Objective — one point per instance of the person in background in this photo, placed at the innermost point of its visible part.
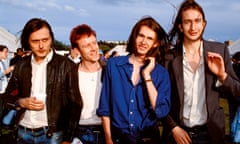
(84, 38)
(236, 63)
(136, 88)
(200, 73)
(104, 58)
(114, 53)
(74, 55)
(4, 71)
(47, 91)
(18, 56)
(234, 102)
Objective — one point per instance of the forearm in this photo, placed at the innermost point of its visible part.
(152, 93)
(107, 128)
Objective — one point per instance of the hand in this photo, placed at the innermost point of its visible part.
(108, 141)
(216, 65)
(148, 69)
(31, 103)
(8, 70)
(181, 136)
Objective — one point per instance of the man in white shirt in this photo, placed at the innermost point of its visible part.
(43, 88)
(90, 70)
(200, 72)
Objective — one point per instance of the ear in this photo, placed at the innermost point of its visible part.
(156, 44)
(204, 24)
(180, 27)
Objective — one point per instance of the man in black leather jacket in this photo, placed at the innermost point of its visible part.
(44, 86)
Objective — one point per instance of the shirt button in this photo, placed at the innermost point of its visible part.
(132, 100)
(131, 113)
(131, 125)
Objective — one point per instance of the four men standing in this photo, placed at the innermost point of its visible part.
(58, 100)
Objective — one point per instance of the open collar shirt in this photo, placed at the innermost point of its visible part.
(128, 105)
(194, 109)
(36, 119)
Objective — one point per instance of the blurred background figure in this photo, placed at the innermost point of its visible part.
(114, 53)
(236, 63)
(18, 56)
(4, 71)
(74, 55)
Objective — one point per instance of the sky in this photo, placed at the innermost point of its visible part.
(113, 19)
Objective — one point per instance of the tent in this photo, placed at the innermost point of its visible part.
(120, 49)
(8, 39)
(235, 47)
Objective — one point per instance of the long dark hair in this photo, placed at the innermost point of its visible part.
(31, 26)
(161, 38)
(175, 35)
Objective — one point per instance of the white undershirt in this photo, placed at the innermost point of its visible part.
(36, 119)
(194, 109)
(90, 88)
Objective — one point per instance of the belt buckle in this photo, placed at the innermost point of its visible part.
(191, 133)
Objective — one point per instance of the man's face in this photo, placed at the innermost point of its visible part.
(4, 53)
(145, 41)
(88, 48)
(192, 25)
(40, 43)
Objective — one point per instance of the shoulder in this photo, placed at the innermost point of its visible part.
(118, 60)
(159, 69)
(213, 44)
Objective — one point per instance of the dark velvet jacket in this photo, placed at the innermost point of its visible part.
(231, 86)
(63, 101)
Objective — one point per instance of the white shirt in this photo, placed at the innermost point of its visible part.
(3, 78)
(75, 60)
(194, 109)
(90, 88)
(36, 119)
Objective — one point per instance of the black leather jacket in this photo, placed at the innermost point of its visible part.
(63, 101)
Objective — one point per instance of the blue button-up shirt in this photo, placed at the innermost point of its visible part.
(128, 105)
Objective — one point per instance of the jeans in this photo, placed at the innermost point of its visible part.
(90, 134)
(26, 136)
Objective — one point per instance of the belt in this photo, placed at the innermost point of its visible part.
(93, 128)
(34, 130)
(196, 129)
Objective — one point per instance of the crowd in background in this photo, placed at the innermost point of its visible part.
(93, 97)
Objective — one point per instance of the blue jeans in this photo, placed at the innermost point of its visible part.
(90, 134)
(26, 136)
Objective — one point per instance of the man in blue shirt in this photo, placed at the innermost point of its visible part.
(136, 89)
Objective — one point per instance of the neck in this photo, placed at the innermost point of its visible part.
(139, 60)
(88, 66)
(192, 47)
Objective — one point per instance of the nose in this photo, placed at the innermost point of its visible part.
(193, 26)
(40, 44)
(144, 39)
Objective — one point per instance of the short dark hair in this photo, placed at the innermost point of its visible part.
(31, 26)
(2, 47)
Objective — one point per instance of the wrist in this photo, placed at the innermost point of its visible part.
(147, 80)
(223, 77)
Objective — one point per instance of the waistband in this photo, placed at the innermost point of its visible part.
(196, 128)
(34, 130)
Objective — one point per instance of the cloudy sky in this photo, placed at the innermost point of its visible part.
(114, 19)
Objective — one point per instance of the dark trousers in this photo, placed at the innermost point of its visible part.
(90, 134)
(151, 136)
(198, 135)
